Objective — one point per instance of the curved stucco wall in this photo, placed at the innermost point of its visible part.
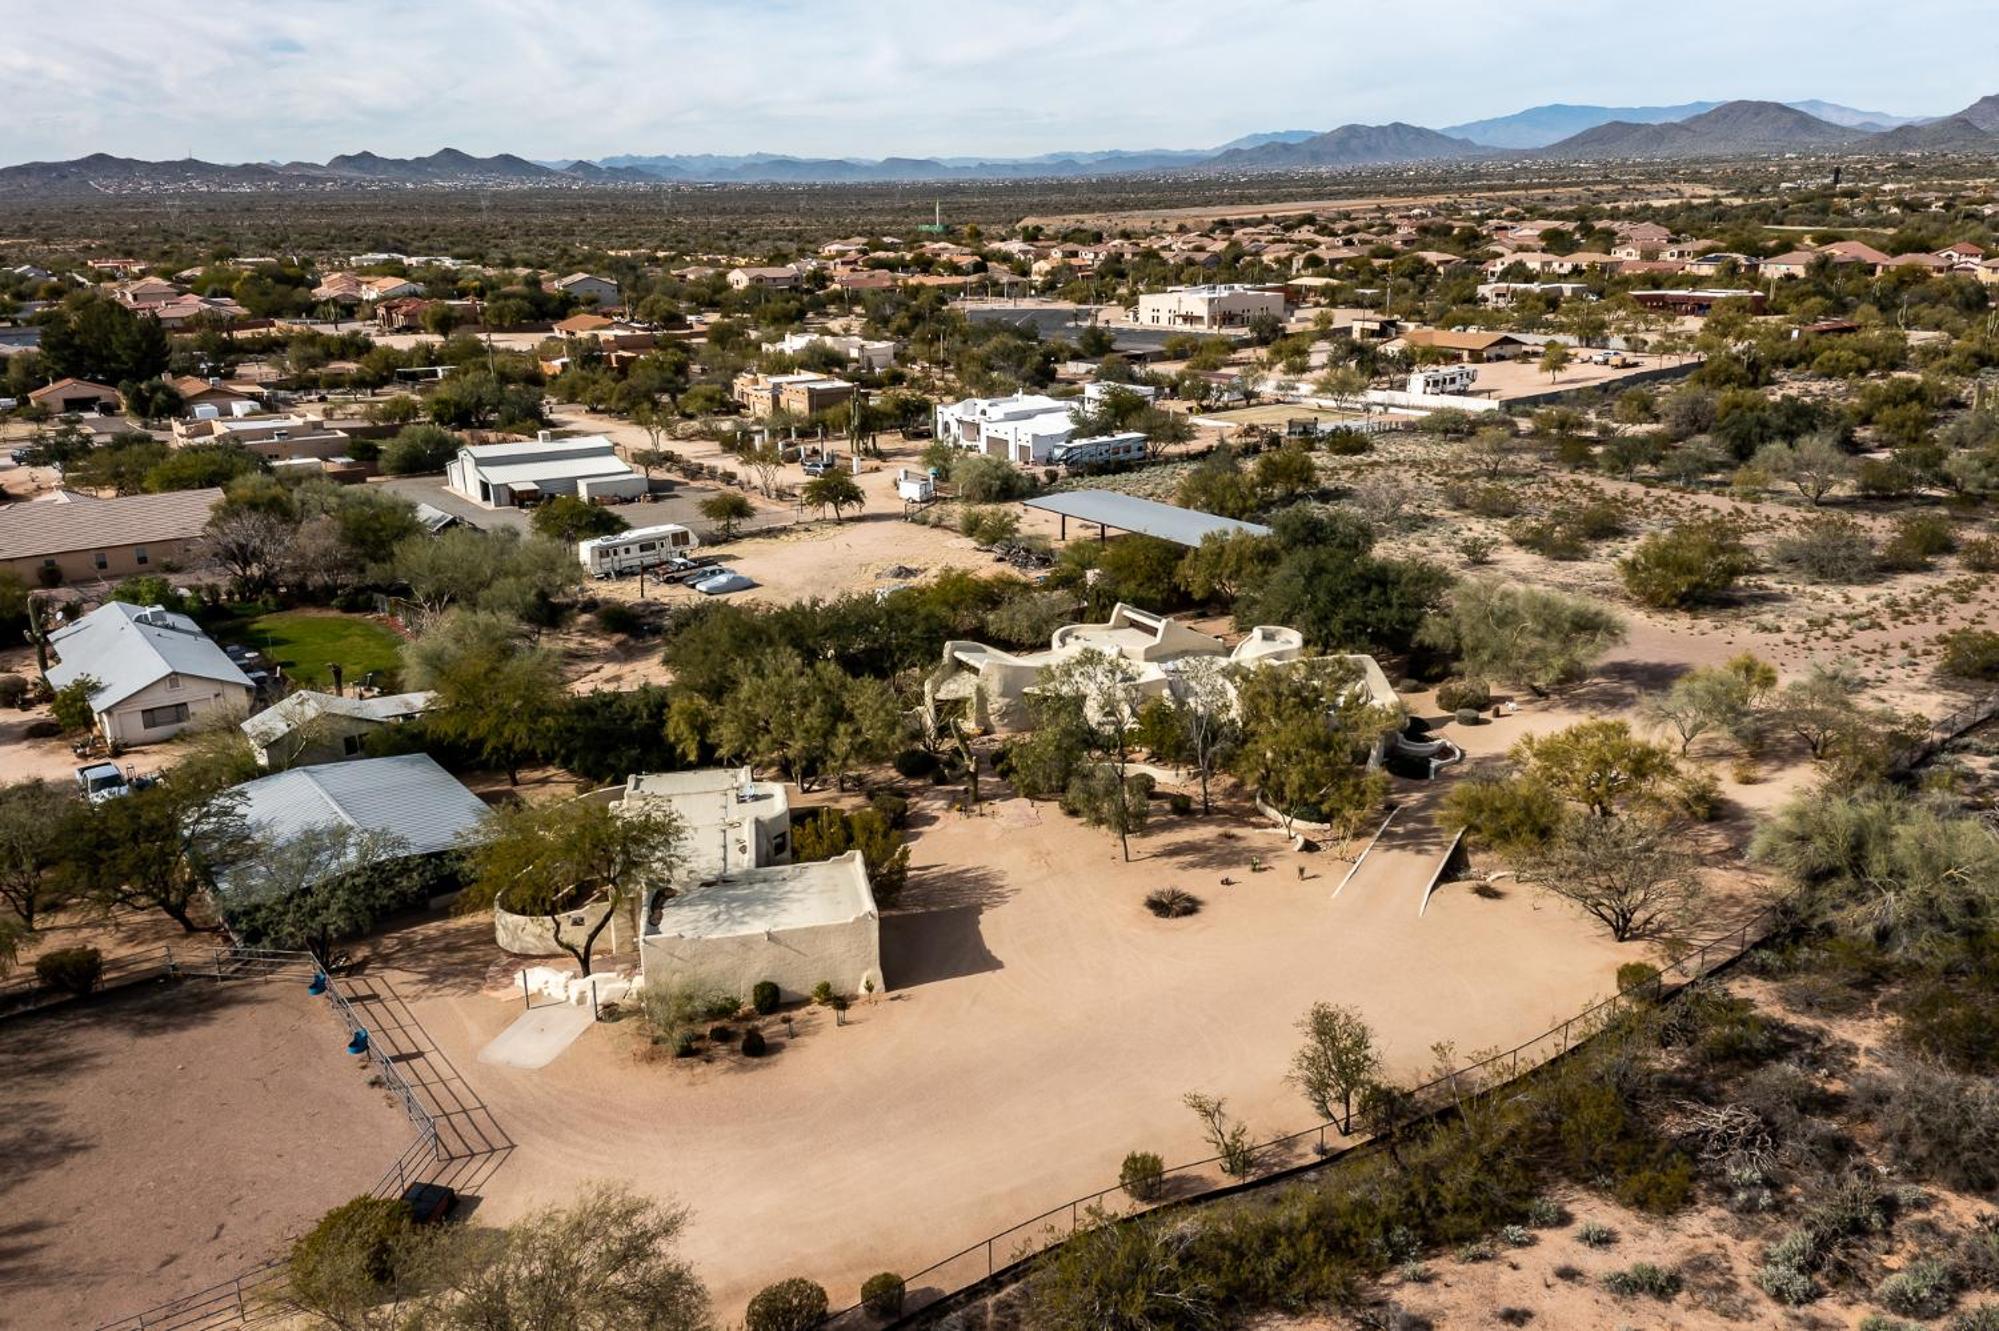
(534, 935)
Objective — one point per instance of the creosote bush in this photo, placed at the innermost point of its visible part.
(1143, 1175)
(796, 1304)
(70, 970)
(882, 1295)
(1643, 1278)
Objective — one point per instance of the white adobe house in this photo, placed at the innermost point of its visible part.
(1022, 428)
(1208, 307)
(156, 672)
(513, 475)
(740, 911)
(994, 683)
(864, 355)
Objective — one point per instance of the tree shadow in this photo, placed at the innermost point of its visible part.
(442, 953)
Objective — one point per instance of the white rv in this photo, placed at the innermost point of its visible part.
(1444, 379)
(1098, 450)
(642, 547)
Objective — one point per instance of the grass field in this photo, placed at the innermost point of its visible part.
(307, 644)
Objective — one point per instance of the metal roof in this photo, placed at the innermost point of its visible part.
(408, 796)
(307, 705)
(126, 647)
(69, 521)
(1168, 522)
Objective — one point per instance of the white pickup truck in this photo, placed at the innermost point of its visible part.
(102, 781)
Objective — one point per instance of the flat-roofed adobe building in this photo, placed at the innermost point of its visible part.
(71, 537)
(1208, 307)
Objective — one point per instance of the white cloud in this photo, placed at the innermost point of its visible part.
(250, 79)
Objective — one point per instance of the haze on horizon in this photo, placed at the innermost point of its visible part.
(252, 80)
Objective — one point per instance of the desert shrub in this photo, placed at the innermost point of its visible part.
(1828, 549)
(1346, 443)
(1595, 1234)
(1180, 802)
(1787, 1284)
(1661, 1188)
(754, 1044)
(988, 480)
(1482, 500)
(70, 970)
(619, 618)
(1548, 537)
(1954, 1022)
(1479, 1251)
(1925, 1288)
(1544, 1214)
(353, 1251)
(1688, 565)
(1466, 716)
(1172, 903)
(915, 764)
(1642, 1278)
(894, 808)
(1567, 1273)
(1879, 1322)
(1143, 1175)
(14, 690)
(1970, 654)
(1457, 694)
(1936, 1124)
(882, 1295)
(1981, 555)
(1918, 538)
(721, 1034)
(789, 1305)
(1637, 975)
(763, 997)
(1516, 1236)
(822, 993)
(1985, 1317)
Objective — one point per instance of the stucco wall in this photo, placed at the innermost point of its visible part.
(534, 935)
(795, 960)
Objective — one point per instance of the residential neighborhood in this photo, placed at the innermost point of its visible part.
(1389, 726)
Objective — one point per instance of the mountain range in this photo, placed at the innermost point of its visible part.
(1691, 130)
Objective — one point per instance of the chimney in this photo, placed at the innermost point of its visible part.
(337, 672)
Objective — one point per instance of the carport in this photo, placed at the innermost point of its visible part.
(1109, 511)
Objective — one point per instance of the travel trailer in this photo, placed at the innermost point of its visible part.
(628, 551)
(1444, 379)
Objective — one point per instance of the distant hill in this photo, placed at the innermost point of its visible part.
(1275, 136)
(1983, 113)
(1539, 126)
(1951, 134)
(1731, 129)
(1349, 145)
(1835, 114)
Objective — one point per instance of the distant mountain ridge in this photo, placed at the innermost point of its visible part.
(1541, 126)
(1737, 128)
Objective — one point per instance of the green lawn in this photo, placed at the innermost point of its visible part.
(306, 644)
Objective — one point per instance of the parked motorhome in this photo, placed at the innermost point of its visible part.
(1443, 379)
(642, 547)
(1099, 450)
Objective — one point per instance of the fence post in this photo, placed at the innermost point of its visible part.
(989, 1257)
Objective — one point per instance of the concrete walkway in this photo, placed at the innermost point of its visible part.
(537, 1038)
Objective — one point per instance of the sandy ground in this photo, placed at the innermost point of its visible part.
(168, 1137)
(1040, 1024)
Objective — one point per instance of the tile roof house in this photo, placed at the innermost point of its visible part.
(75, 397)
(155, 671)
(70, 537)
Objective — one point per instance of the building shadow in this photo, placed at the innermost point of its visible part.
(922, 947)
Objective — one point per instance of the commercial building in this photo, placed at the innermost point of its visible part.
(1208, 307)
(155, 672)
(70, 537)
(517, 475)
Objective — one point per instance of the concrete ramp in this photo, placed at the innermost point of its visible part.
(537, 1038)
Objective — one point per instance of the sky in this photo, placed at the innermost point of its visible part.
(251, 80)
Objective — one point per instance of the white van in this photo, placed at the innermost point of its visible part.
(628, 551)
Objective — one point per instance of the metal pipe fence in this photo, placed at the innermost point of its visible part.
(1309, 1148)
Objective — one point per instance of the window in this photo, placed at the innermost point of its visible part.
(101, 562)
(350, 745)
(172, 715)
(139, 556)
(173, 683)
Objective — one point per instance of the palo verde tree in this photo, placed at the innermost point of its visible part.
(835, 490)
(1502, 633)
(1336, 1063)
(1100, 685)
(1307, 729)
(312, 889)
(727, 510)
(33, 815)
(160, 848)
(495, 693)
(549, 859)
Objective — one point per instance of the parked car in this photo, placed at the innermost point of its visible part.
(429, 1202)
(820, 466)
(102, 781)
(721, 584)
